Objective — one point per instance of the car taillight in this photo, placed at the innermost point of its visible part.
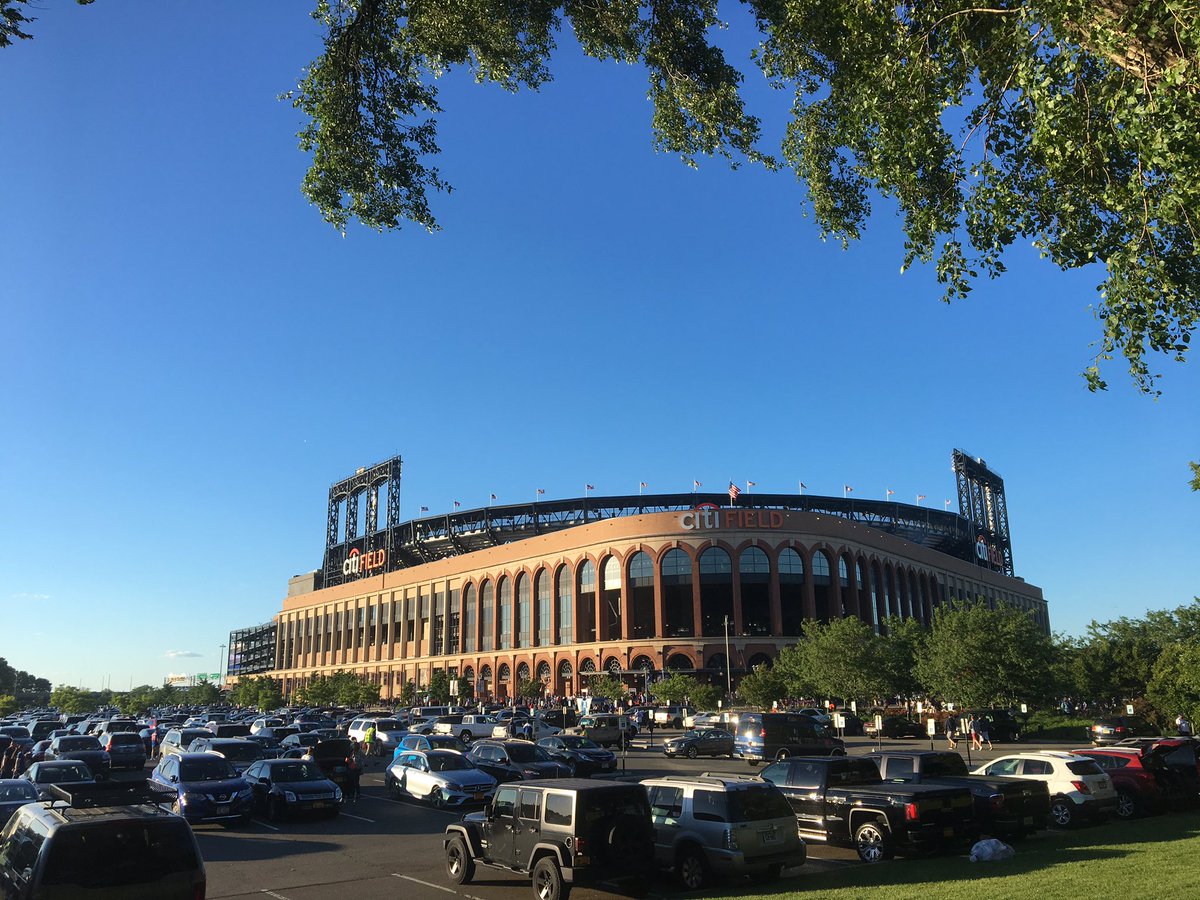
(1119, 729)
(580, 845)
(730, 839)
(762, 733)
(1081, 786)
(911, 813)
(996, 802)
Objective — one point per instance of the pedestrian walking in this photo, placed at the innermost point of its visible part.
(976, 743)
(368, 741)
(1183, 726)
(952, 732)
(985, 732)
(8, 762)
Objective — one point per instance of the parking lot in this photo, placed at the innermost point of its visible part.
(380, 847)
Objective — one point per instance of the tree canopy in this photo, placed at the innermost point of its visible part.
(1066, 124)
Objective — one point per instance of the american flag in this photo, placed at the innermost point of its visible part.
(848, 489)
(541, 490)
(803, 485)
(457, 504)
(750, 484)
(920, 497)
(590, 487)
(494, 497)
(890, 492)
(424, 509)
(734, 490)
(645, 484)
(695, 483)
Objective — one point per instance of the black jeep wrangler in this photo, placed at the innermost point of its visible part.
(560, 832)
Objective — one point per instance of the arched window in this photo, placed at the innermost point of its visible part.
(878, 598)
(487, 613)
(587, 602)
(822, 591)
(470, 620)
(566, 606)
(847, 590)
(523, 672)
(610, 600)
(716, 591)
(641, 595)
(587, 665)
(677, 594)
(506, 613)
(524, 612)
(754, 570)
(791, 590)
(543, 609)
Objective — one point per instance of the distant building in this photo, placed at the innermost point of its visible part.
(251, 650)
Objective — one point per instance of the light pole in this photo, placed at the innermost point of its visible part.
(728, 675)
(221, 666)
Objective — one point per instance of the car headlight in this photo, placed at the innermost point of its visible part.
(289, 796)
(191, 797)
(337, 793)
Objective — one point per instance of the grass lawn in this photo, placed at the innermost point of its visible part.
(1156, 857)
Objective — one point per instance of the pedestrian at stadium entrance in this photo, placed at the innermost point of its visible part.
(354, 764)
(368, 742)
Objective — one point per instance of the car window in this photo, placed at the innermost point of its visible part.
(1003, 767)
(776, 773)
(1084, 767)
(20, 850)
(120, 852)
(806, 776)
(506, 802)
(1039, 767)
(899, 768)
(754, 803)
(531, 806)
(709, 806)
(558, 809)
(213, 768)
(1182, 756)
(666, 802)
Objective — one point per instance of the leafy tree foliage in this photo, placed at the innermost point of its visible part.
(72, 700)
(1174, 685)
(439, 688)
(762, 687)
(841, 658)
(608, 687)
(8, 704)
(678, 688)
(257, 692)
(978, 656)
(340, 688)
(28, 689)
(530, 689)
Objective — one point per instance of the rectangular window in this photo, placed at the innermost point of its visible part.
(558, 809)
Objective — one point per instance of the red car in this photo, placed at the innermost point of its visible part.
(1145, 784)
(1180, 754)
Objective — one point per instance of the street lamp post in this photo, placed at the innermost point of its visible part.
(221, 667)
(728, 675)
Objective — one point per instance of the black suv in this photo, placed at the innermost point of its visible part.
(561, 833)
(100, 840)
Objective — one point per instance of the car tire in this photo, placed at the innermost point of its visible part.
(437, 798)
(460, 867)
(692, 752)
(692, 868)
(1062, 812)
(548, 882)
(465, 737)
(1127, 805)
(872, 843)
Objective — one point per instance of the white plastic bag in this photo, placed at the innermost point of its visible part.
(991, 850)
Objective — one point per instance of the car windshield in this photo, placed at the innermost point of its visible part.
(445, 741)
(750, 804)
(578, 742)
(522, 752)
(388, 725)
(447, 762)
(298, 771)
(265, 741)
(336, 749)
(16, 731)
(214, 769)
(78, 743)
(1084, 767)
(127, 739)
(59, 774)
(17, 790)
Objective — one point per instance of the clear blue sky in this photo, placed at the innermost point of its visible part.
(192, 356)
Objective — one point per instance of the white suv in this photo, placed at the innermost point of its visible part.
(1078, 787)
(389, 733)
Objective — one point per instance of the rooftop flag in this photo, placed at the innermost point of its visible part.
(589, 487)
(890, 492)
(734, 490)
(457, 504)
(920, 497)
(424, 509)
(541, 491)
(494, 497)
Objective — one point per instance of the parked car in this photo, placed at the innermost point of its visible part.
(712, 825)
(388, 733)
(706, 742)
(895, 727)
(573, 832)
(512, 760)
(672, 716)
(14, 793)
(38, 753)
(265, 722)
(229, 729)
(606, 729)
(331, 756)
(1145, 785)
(206, 787)
(703, 720)
(443, 777)
(84, 748)
(465, 727)
(839, 800)
(1111, 729)
(117, 843)
(58, 771)
(125, 749)
(583, 756)
(285, 787)
(1078, 787)
(177, 740)
(271, 748)
(772, 736)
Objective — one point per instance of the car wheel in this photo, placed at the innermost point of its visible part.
(437, 798)
(692, 752)
(465, 737)
(548, 881)
(460, 867)
(692, 869)
(1127, 805)
(1062, 812)
(872, 843)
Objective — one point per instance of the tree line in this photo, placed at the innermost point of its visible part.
(19, 688)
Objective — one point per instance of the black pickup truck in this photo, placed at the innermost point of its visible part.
(1004, 807)
(843, 800)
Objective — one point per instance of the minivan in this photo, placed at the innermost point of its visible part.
(770, 736)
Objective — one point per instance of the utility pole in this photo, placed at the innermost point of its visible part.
(728, 675)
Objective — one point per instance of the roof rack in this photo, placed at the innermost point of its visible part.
(108, 793)
(708, 777)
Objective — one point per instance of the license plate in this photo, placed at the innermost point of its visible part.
(769, 837)
(223, 810)
(317, 804)
(1028, 820)
(480, 796)
(948, 832)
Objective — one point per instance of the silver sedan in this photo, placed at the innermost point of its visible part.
(443, 777)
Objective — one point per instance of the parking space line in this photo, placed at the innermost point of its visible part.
(452, 812)
(273, 894)
(264, 825)
(360, 818)
(426, 883)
